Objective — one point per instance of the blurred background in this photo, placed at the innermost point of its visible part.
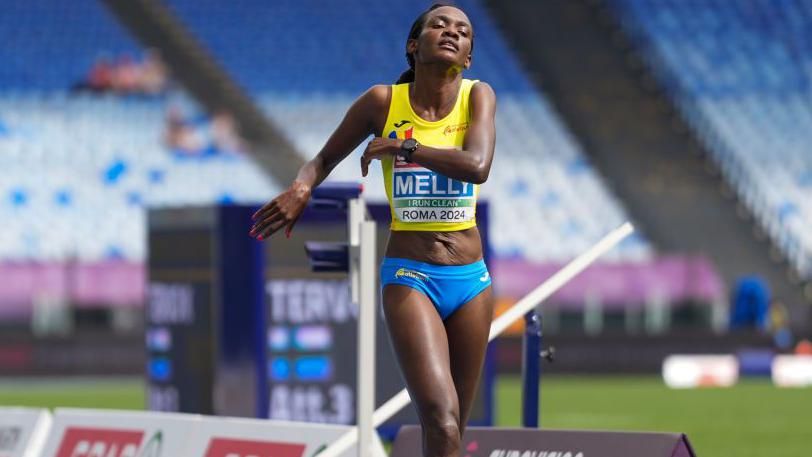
(690, 118)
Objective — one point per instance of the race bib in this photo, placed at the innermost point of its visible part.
(422, 195)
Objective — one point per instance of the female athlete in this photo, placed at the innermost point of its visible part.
(434, 136)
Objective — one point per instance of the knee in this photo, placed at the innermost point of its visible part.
(441, 427)
(447, 433)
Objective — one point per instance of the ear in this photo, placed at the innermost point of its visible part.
(411, 46)
(468, 60)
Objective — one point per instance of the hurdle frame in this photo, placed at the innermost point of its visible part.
(362, 243)
(531, 369)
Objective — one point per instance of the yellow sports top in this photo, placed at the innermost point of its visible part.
(421, 199)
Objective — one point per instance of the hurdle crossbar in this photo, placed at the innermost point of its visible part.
(499, 325)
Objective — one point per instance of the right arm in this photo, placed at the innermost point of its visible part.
(363, 118)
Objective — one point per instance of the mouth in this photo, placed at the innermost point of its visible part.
(448, 45)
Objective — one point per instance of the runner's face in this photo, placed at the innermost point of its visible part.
(446, 37)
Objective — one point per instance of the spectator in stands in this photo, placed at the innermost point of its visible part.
(154, 74)
(127, 76)
(100, 76)
(224, 136)
(201, 136)
(181, 136)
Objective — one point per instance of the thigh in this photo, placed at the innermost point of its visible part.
(419, 339)
(467, 332)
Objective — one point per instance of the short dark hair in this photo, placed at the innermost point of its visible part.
(417, 28)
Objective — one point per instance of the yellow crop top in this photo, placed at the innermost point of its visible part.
(421, 199)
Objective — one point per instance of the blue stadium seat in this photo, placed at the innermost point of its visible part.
(50, 45)
(77, 172)
(307, 60)
(740, 72)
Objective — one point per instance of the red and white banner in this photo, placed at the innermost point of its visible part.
(231, 437)
(99, 433)
(688, 371)
(792, 370)
(23, 431)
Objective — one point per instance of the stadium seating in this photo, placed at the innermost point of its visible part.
(551, 202)
(50, 45)
(741, 74)
(78, 171)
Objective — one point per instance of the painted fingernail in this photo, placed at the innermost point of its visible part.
(259, 237)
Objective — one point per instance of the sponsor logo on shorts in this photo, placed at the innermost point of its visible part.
(485, 277)
(405, 273)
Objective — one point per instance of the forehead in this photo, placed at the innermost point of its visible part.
(449, 12)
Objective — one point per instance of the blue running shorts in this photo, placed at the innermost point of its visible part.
(447, 286)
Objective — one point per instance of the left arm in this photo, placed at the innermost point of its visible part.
(472, 163)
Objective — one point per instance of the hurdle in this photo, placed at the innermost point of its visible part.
(499, 325)
(357, 258)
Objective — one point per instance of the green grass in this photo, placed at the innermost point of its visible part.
(123, 393)
(754, 419)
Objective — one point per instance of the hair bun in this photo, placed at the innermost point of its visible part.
(406, 77)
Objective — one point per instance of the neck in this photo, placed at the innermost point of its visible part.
(435, 88)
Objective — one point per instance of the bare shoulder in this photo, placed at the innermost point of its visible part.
(373, 106)
(483, 92)
(376, 97)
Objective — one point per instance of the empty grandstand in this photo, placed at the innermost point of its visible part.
(307, 79)
(108, 152)
(740, 72)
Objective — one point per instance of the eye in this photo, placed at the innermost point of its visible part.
(464, 32)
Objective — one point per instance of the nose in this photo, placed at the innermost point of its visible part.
(452, 33)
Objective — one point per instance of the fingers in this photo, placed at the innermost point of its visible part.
(284, 210)
(265, 208)
(382, 146)
(377, 147)
(271, 229)
(271, 225)
(289, 228)
(260, 219)
(364, 166)
(260, 230)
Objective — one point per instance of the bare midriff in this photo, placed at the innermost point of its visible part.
(440, 248)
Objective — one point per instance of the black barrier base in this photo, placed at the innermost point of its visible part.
(523, 442)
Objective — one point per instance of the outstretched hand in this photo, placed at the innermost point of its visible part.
(282, 211)
(377, 149)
